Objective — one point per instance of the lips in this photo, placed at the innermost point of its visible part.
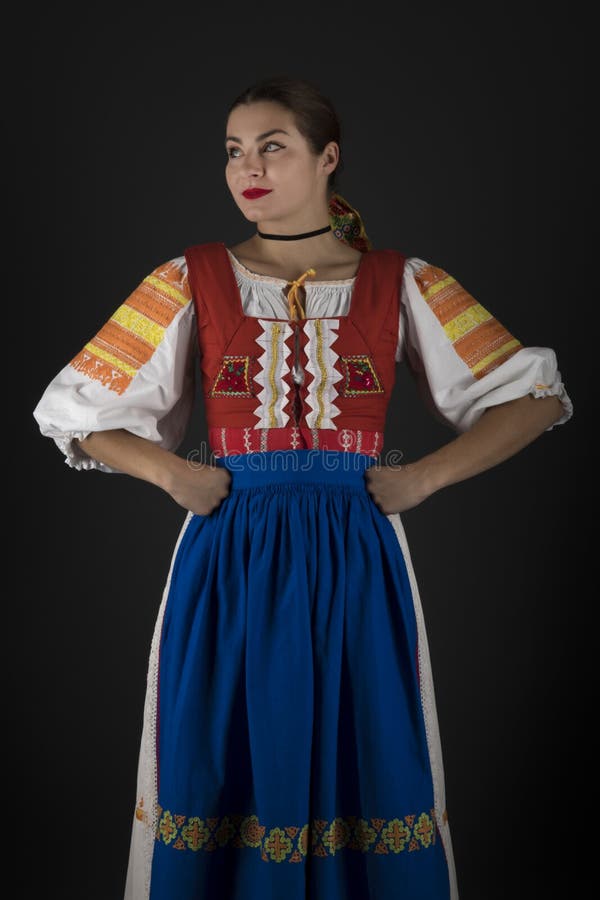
(254, 193)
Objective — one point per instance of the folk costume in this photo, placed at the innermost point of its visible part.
(290, 743)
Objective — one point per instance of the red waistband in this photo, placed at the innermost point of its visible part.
(227, 440)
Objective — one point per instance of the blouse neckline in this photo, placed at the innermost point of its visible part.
(257, 276)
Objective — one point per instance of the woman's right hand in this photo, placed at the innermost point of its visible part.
(200, 489)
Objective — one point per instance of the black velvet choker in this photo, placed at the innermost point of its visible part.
(293, 237)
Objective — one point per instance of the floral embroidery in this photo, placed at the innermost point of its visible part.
(291, 843)
(167, 828)
(195, 833)
(397, 833)
(140, 813)
(233, 379)
(337, 835)
(360, 376)
(424, 830)
(347, 224)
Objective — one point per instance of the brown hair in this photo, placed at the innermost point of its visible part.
(318, 122)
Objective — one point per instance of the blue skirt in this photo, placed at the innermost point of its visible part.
(292, 755)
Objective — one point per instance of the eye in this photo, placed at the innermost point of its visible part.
(231, 150)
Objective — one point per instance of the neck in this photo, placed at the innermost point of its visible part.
(295, 254)
(295, 237)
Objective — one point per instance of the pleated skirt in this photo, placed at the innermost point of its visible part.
(290, 747)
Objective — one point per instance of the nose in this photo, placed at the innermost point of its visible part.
(252, 164)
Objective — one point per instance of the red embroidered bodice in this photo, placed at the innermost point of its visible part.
(252, 401)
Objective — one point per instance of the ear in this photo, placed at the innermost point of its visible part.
(330, 157)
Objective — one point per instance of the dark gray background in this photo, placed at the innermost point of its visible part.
(465, 144)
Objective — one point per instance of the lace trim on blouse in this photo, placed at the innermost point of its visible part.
(263, 296)
(256, 276)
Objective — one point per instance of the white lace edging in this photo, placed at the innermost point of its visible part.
(143, 834)
(429, 711)
(556, 389)
(75, 457)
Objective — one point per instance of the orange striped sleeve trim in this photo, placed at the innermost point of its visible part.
(128, 340)
(479, 339)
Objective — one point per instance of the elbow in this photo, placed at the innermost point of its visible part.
(86, 446)
(529, 413)
(96, 439)
(541, 412)
(93, 444)
(86, 443)
(556, 408)
(546, 411)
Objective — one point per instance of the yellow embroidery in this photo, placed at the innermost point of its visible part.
(138, 324)
(479, 339)
(252, 832)
(337, 835)
(486, 362)
(167, 828)
(165, 288)
(396, 834)
(291, 843)
(437, 286)
(127, 341)
(91, 358)
(277, 845)
(466, 321)
(195, 833)
(424, 830)
(364, 835)
(274, 347)
(323, 368)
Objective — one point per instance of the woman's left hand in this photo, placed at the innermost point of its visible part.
(395, 489)
(499, 433)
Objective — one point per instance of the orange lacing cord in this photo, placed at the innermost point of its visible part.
(294, 295)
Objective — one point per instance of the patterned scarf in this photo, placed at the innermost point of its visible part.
(347, 224)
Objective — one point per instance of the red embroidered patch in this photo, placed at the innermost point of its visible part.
(360, 377)
(233, 379)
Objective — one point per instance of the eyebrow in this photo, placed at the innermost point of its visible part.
(260, 137)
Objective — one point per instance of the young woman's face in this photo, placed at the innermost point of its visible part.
(281, 162)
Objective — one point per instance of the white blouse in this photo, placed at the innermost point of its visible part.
(146, 385)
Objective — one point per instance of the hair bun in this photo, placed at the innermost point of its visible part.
(347, 224)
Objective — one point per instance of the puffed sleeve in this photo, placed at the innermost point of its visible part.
(463, 358)
(136, 373)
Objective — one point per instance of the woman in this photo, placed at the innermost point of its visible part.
(290, 745)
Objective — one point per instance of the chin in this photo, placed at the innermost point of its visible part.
(250, 214)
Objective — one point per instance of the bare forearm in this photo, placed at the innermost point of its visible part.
(500, 433)
(133, 455)
(199, 489)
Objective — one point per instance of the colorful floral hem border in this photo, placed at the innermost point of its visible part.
(293, 843)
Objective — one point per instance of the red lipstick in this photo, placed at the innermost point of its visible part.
(254, 193)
